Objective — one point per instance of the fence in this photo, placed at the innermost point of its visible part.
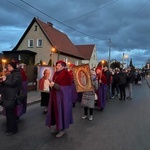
(32, 76)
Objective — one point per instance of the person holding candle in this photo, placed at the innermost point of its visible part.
(11, 84)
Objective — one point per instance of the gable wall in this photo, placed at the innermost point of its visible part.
(93, 60)
(43, 53)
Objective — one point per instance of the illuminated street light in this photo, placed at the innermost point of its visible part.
(125, 56)
(53, 50)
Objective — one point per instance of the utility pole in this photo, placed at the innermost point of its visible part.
(123, 61)
(109, 43)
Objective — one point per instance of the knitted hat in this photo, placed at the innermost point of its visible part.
(13, 64)
(61, 62)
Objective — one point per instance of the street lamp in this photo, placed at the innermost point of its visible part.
(123, 57)
(126, 57)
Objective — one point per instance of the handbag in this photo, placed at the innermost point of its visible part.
(20, 97)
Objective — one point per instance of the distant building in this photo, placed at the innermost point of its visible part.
(89, 54)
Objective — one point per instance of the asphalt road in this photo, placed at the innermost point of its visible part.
(123, 125)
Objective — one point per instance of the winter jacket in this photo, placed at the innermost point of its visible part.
(11, 86)
(88, 98)
(130, 77)
(122, 78)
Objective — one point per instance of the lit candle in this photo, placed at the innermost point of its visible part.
(3, 65)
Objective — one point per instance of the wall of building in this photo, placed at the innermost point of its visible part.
(43, 53)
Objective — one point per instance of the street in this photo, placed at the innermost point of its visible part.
(123, 125)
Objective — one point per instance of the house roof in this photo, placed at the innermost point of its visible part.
(58, 39)
(86, 50)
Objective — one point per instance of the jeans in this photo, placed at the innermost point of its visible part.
(129, 89)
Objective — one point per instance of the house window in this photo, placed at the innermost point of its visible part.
(30, 43)
(94, 57)
(19, 57)
(76, 63)
(39, 42)
(35, 28)
(66, 60)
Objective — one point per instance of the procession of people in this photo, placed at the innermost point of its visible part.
(60, 95)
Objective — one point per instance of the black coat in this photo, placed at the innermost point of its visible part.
(130, 77)
(11, 86)
(122, 78)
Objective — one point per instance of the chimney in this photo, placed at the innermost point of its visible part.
(50, 24)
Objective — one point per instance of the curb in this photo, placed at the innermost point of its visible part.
(34, 102)
(147, 83)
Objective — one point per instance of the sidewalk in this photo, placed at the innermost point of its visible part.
(148, 81)
(33, 97)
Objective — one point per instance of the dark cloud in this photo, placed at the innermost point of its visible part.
(126, 22)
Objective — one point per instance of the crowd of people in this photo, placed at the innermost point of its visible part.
(61, 94)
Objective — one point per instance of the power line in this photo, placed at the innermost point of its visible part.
(27, 12)
(145, 4)
(20, 7)
(137, 11)
(92, 11)
(57, 20)
(46, 21)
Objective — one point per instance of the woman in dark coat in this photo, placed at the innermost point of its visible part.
(11, 85)
(122, 81)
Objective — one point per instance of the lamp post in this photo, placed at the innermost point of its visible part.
(126, 57)
(109, 51)
(123, 60)
(123, 57)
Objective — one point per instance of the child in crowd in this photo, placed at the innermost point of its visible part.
(88, 99)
